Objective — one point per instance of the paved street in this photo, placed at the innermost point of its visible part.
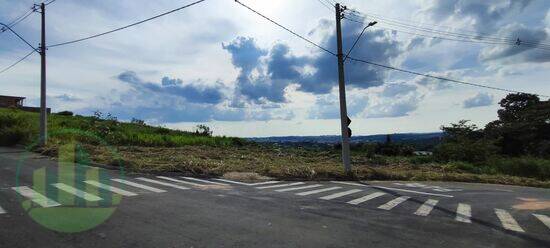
(46, 204)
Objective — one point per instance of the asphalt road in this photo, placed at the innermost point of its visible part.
(47, 204)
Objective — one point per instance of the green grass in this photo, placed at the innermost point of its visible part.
(22, 128)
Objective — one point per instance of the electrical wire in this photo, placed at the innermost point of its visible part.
(18, 61)
(456, 36)
(285, 28)
(441, 78)
(127, 26)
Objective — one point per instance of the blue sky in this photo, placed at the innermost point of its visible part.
(219, 64)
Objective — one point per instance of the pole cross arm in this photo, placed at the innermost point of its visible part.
(6, 27)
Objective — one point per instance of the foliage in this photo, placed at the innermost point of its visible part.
(203, 130)
(22, 128)
(13, 129)
(65, 113)
(523, 127)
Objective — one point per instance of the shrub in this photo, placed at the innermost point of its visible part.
(65, 113)
(522, 166)
(465, 150)
(14, 129)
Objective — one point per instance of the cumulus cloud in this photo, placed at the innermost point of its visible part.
(265, 74)
(479, 100)
(482, 15)
(393, 100)
(195, 92)
(522, 52)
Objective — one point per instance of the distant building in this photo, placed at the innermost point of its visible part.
(423, 153)
(17, 102)
(11, 101)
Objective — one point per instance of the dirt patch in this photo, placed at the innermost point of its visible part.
(532, 204)
(245, 176)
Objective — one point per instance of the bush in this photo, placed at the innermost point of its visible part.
(14, 129)
(465, 150)
(65, 113)
(522, 167)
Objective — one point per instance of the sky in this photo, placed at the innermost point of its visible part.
(219, 64)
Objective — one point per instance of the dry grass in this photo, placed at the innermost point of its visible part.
(250, 162)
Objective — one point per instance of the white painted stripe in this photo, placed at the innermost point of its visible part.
(426, 208)
(463, 213)
(161, 183)
(350, 183)
(110, 188)
(317, 191)
(393, 203)
(203, 181)
(247, 184)
(412, 191)
(141, 186)
(78, 193)
(340, 194)
(299, 188)
(2, 211)
(366, 198)
(280, 185)
(395, 189)
(36, 197)
(544, 219)
(508, 222)
(181, 181)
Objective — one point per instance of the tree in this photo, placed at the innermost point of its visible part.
(523, 126)
(203, 130)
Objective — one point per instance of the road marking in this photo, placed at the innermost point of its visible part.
(2, 211)
(508, 222)
(280, 185)
(247, 184)
(395, 189)
(366, 198)
(317, 191)
(544, 219)
(161, 183)
(426, 208)
(299, 188)
(463, 213)
(350, 183)
(393, 203)
(78, 193)
(204, 181)
(36, 197)
(141, 186)
(110, 188)
(340, 194)
(181, 181)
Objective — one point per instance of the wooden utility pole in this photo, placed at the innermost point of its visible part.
(43, 108)
(344, 120)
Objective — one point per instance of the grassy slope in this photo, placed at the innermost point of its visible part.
(152, 149)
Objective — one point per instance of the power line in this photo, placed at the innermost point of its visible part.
(14, 64)
(285, 28)
(326, 6)
(19, 36)
(18, 19)
(385, 66)
(127, 26)
(462, 37)
(440, 78)
(50, 2)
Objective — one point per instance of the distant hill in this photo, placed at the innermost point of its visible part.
(421, 141)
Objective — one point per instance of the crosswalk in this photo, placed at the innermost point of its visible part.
(424, 208)
(347, 193)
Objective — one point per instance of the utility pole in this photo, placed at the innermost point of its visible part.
(43, 109)
(344, 120)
